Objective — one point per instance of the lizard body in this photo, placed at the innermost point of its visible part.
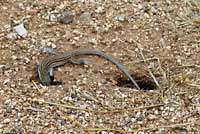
(60, 59)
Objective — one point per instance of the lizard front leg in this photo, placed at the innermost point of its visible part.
(51, 74)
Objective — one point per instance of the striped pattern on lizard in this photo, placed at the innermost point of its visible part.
(57, 60)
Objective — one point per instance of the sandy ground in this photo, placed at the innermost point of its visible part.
(156, 39)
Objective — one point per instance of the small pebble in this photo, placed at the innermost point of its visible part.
(14, 57)
(53, 17)
(198, 107)
(62, 122)
(100, 10)
(46, 50)
(85, 17)
(12, 36)
(66, 17)
(20, 30)
(12, 85)
(120, 18)
(53, 46)
(151, 117)
(6, 81)
(92, 41)
(139, 116)
(6, 121)
(4, 67)
(27, 60)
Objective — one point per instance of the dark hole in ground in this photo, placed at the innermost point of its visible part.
(145, 82)
(53, 82)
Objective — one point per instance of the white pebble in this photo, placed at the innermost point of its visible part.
(53, 46)
(6, 121)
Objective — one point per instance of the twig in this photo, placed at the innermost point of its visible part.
(132, 109)
(145, 129)
(97, 111)
(193, 85)
(163, 72)
(185, 66)
(35, 109)
(36, 87)
(165, 91)
(154, 78)
(61, 105)
(39, 90)
(148, 59)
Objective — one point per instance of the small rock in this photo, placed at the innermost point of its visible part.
(76, 32)
(27, 60)
(4, 67)
(7, 26)
(85, 17)
(6, 121)
(151, 117)
(9, 109)
(100, 10)
(92, 41)
(154, 10)
(49, 44)
(12, 85)
(156, 112)
(66, 17)
(139, 116)
(104, 132)
(198, 107)
(53, 46)
(120, 18)
(6, 81)
(14, 57)
(171, 109)
(46, 124)
(12, 36)
(146, 15)
(95, 28)
(21, 6)
(76, 38)
(46, 50)
(62, 122)
(20, 30)
(53, 17)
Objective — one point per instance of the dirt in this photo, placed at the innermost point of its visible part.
(157, 41)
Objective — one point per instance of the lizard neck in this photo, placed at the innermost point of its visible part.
(43, 75)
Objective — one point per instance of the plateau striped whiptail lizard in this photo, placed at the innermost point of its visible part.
(56, 60)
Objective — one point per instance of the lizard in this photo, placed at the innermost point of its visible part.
(45, 68)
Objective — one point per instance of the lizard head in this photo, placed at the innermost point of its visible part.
(44, 77)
